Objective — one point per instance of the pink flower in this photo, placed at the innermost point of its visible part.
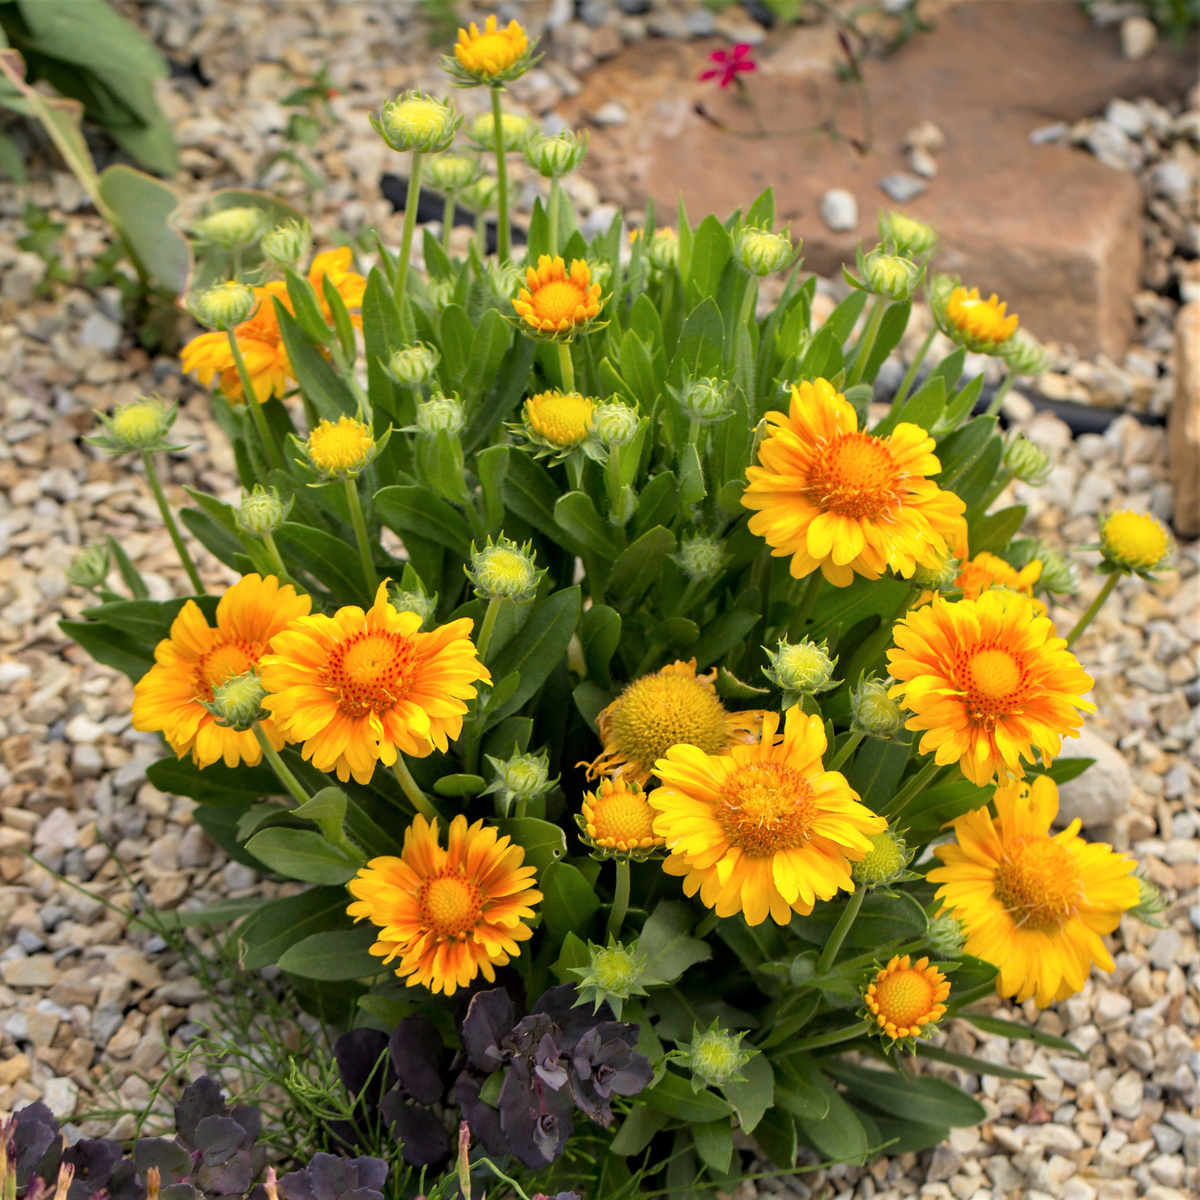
(730, 63)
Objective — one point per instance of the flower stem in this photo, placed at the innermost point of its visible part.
(620, 907)
(566, 364)
(169, 522)
(552, 214)
(849, 913)
(900, 800)
(485, 630)
(1093, 608)
(749, 303)
(867, 342)
(276, 558)
(707, 925)
(845, 752)
(910, 376)
(360, 535)
(998, 399)
(804, 609)
(502, 229)
(419, 800)
(447, 221)
(250, 399)
(289, 781)
(411, 200)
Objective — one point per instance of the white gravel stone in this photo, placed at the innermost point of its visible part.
(839, 210)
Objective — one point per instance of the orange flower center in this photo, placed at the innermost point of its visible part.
(765, 807)
(226, 660)
(657, 712)
(371, 671)
(995, 681)
(904, 996)
(557, 300)
(856, 476)
(623, 816)
(1039, 883)
(450, 905)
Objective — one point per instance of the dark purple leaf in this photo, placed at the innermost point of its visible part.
(536, 1119)
(415, 1047)
(363, 1194)
(172, 1160)
(329, 1176)
(124, 1182)
(34, 1138)
(372, 1173)
(559, 1004)
(483, 1119)
(423, 1138)
(296, 1185)
(219, 1137)
(489, 1020)
(179, 1191)
(234, 1175)
(359, 1054)
(507, 979)
(250, 1119)
(201, 1098)
(93, 1160)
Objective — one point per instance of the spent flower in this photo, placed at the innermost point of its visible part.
(262, 511)
(504, 570)
(556, 155)
(760, 251)
(288, 243)
(224, 305)
(614, 973)
(873, 711)
(415, 121)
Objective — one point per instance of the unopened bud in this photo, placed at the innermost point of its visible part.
(141, 425)
(886, 861)
(872, 712)
(760, 251)
(232, 228)
(448, 173)
(415, 121)
(1059, 575)
(939, 578)
(288, 243)
(262, 511)
(519, 778)
(89, 568)
(415, 602)
(701, 557)
(1025, 355)
(707, 399)
(716, 1057)
(615, 423)
(890, 275)
(663, 250)
(414, 365)
(504, 571)
(237, 703)
(1027, 460)
(224, 306)
(439, 415)
(945, 936)
(515, 131)
(556, 156)
(801, 669)
(482, 195)
(614, 973)
(906, 235)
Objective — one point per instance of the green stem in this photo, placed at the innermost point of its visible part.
(447, 221)
(707, 925)
(867, 342)
(411, 199)
(419, 800)
(485, 630)
(502, 230)
(749, 303)
(481, 232)
(666, 298)
(804, 608)
(250, 399)
(522, 806)
(849, 913)
(169, 522)
(620, 900)
(845, 752)
(289, 781)
(1093, 608)
(900, 800)
(566, 365)
(910, 376)
(281, 571)
(552, 214)
(998, 399)
(360, 536)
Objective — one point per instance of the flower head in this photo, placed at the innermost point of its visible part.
(701, 557)
(262, 511)
(672, 706)
(802, 669)
(556, 304)
(613, 974)
(980, 325)
(504, 570)
(729, 64)
(224, 305)
(848, 502)
(906, 1001)
(142, 425)
(237, 703)
(615, 423)
(358, 687)
(1134, 542)
(906, 235)
(1034, 905)
(414, 365)
(415, 121)
(760, 251)
(1027, 460)
(873, 711)
(89, 568)
(885, 862)
(521, 778)
(450, 173)
(1059, 575)
(232, 228)
(491, 55)
(450, 914)
(617, 822)
(987, 570)
(715, 1057)
(663, 250)
(890, 275)
(557, 422)
(557, 155)
(515, 131)
(195, 660)
(989, 681)
(288, 243)
(762, 830)
(340, 450)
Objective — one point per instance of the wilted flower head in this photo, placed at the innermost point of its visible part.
(415, 121)
(701, 557)
(523, 777)
(504, 571)
(89, 568)
(288, 243)
(614, 973)
(515, 131)
(706, 399)
(450, 172)
(800, 669)
(225, 305)
(886, 861)
(262, 511)
(439, 414)
(237, 703)
(760, 251)
(890, 275)
(414, 365)
(557, 155)
(614, 423)
(1027, 460)
(872, 711)
(232, 228)
(906, 235)
(715, 1057)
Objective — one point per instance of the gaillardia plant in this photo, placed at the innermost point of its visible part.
(657, 727)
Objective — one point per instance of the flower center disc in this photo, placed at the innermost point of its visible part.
(371, 671)
(561, 420)
(765, 807)
(1039, 884)
(624, 817)
(451, 905)
(1135, 538)
(557, 301)
(995, 683)
(226, 660)
(904, 997)
(660, 711)
(855, 477)
(337, 447)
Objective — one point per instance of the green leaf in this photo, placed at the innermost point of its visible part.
(415, 509)
(958, 450)
(543, 841)
(908, 1137)
(922, 408)
(144, 206)
(215, 784)
(340, 954)
(569, 902)
(673, 1095)
(891, 330)
(639, 566)
(491, 465)
(637, 1130)
(302, 854)
(490, 343)
(658, 503)
(456, 334)
(599, 633)
(591, 700)
(839, 1135)
(275, 927)
(712, 248)
(531, 493)
(327, 809)
(842, 320)
(776, 1135)
(883, 918)
(701, 341)
(327, 558)
(877, 767)
(951, 369)
(691, 476)
(800, 1088)
(220, 822)
(714, 1143)
(1011, 1029)
(921, 1098)
(506, 390)
(576, 513)
(110, 647)
(319, 382)
(667, 942)
(12, 161)
(966, 1062)
(992, 533)
(823, 357)
(221, 913)
(459, 785)
(752, 1098)
(129, 573)
(720, 636)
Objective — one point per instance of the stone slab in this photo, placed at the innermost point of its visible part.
(1053, 230)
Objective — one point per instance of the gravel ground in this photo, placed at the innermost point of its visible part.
(92, 1007)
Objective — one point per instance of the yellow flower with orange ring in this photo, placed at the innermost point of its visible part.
(618, 822)
(556, 303)
(905, 1000)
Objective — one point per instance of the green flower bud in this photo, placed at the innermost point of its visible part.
(801, 669)
(615, 423)
(440, 292)
(262, 511)
(237, 703)
(89, 568)
(482, 195)
(288, 243)
(906, 235)
(141, 425)
(449, 173)
(556, 156)
(224, 306)
(760, 251)
(519, 778)
(415, 602)
(941, 578)
(1059, 575)
(504, 571)
(414, 365)
(232, 228)
(1150, 903)
(701, 557)
(707, 399)
(515, 131)
(415, 121)
(872, 712)
(1025, 355)
(890, 275)
(1027, 460)
(438, 415)
(663, 250)
(884, 864)
(716, 1057)
(945, 936)
(614, 973)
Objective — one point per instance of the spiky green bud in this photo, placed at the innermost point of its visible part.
(89, 568)
(1027, 460)
(523, 777)
(262, 511)
(872, 711)
(945, 936)
(701, 557)
(288, 243)
(450, 173)
(232, 228)
(237, 703)
(760, 251)
(706, 399)
(558, 155)
(887, 860)
(615, 423)
(890, 275)
(415, 121)
(440, 414)
(224, 306)
(504, 571)
(614, 973)
(715, 1057)
(800, 669)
